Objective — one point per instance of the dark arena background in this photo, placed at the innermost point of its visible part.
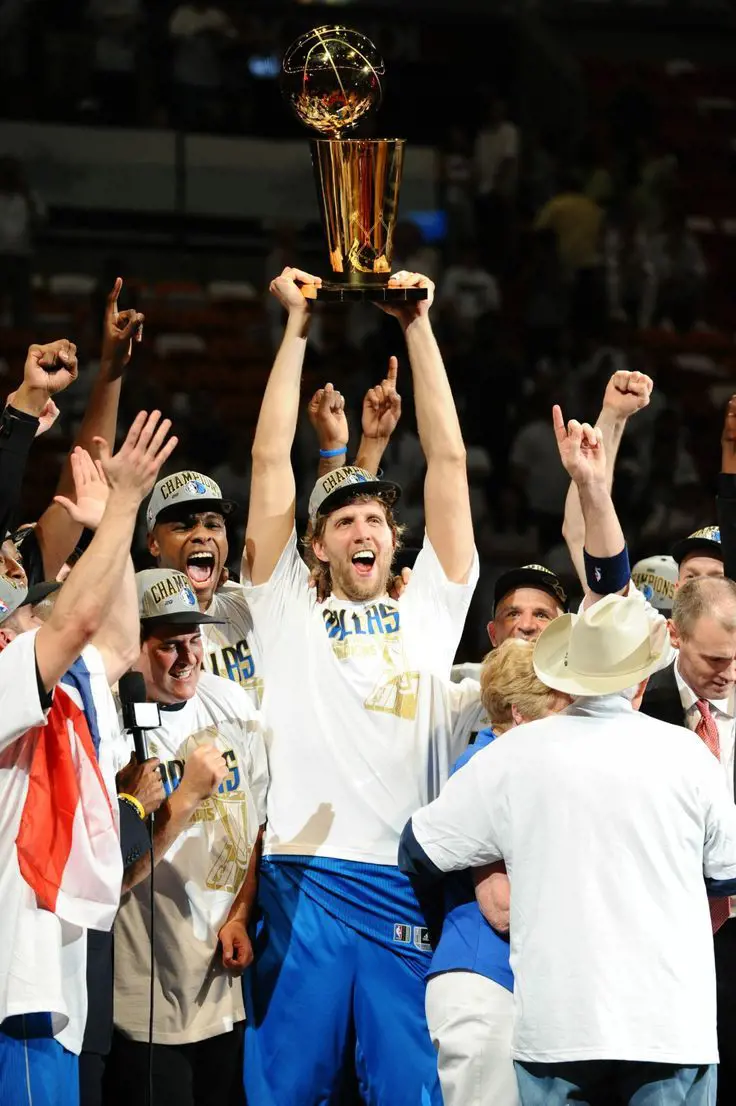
(569, 185)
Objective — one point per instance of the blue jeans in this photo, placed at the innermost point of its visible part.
(616, 1083)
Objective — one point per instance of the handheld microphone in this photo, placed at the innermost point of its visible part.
(138, 715)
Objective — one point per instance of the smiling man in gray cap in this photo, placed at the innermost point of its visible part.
(206, 846)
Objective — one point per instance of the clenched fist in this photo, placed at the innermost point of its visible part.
(204, 771)
(627, 393)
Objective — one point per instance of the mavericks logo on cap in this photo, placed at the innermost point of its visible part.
(164, 591)
(196, 487)
(181, 488)
(188, 596)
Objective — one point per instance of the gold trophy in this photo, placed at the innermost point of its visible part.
(332, 77)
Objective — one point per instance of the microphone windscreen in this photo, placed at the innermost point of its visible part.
(132, 688)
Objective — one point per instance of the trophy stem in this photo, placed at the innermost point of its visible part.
(358, 183)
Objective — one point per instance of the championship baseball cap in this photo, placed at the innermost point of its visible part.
(338, 487)
(182, 489)
(655, 578)
(12, 595)
(165, 595)
(708, 539)
(529, 576)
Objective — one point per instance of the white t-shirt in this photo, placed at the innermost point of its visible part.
(227, 646)
(198, 878)
(43, 959)
(607, 821)
(363, 728)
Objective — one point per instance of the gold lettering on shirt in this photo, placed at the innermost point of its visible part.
(397, 692)
(229, 808)
(398, 695)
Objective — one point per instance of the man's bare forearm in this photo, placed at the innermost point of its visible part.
(173, 817)
(370, 453)
(279, 412)
(573, 525)
(493, 895)
(437, 422)
(603, 534)
(245, 900)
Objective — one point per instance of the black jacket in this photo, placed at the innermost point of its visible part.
(726, 510)
(17, 431)
(662, 697)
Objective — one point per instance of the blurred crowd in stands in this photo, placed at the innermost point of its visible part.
(557, 266)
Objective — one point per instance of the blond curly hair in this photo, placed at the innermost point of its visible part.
(508, 679)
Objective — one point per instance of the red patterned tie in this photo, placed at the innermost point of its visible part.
(707, 731)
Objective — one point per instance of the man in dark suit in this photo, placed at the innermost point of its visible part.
(697, 691)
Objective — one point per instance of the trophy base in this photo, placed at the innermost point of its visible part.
(370, 293)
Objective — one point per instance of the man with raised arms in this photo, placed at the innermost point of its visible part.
(365, 726)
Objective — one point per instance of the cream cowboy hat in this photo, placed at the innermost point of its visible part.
(611, 646)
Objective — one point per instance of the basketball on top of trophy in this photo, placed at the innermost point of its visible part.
(332, 78)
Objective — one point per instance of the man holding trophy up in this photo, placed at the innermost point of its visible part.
(368, 726)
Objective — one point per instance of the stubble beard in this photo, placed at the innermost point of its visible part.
(357, 591)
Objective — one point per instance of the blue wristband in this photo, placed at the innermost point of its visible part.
(333, 452)
(607, 575)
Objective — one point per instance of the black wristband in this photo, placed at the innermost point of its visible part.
(607, 575)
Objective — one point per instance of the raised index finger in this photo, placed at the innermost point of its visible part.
(558, 423)
(112, 297)
(393, 370)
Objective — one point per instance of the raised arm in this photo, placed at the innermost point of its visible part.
(118, 638)
(605, 559)
(626, 393)
(47, 371)
(380, 417)
(326, 413)
(446, 495)
(57, 532)
(273, 489)
(96, 580)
